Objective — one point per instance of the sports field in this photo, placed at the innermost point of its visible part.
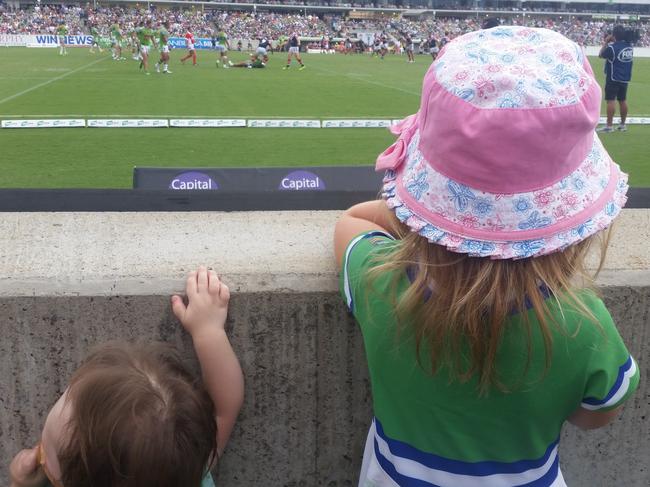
(38, 83)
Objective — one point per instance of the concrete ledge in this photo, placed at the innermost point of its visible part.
(72, 280)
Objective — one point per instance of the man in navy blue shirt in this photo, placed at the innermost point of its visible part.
(617, 52)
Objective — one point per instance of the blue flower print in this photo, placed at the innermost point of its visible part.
(562, 75)
(482, 206)
(508, 58)
(527, 247)
(546, 59)
(418, 185)
(403, 213)
(431, 233)
(466, 94)
(522, 204)
(584, 229)
(534, 221)
(476, 247)
(499, 32)
(460, 194)
(481, 56)
(610, 208)
(564, 183)
(578, 183)
(544, 86)
(509, 101)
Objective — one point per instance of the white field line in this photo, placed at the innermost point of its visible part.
(359, 78)
(52, 80)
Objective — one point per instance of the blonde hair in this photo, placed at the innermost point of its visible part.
(458, 306)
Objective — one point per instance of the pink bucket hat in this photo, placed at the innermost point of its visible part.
(502, 159)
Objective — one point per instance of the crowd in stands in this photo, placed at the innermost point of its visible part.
(252, 25)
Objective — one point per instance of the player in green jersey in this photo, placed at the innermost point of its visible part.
(222, 45)
(163, 47)
(254, 62)
(62, 31)
(95, 33)
(116, 42)
(135, 42)
(146, 40)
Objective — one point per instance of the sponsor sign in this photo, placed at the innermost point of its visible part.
(193, 181)
(259, 180)
(207, 122)
(629, 121)
(128, 123)
(284, 123)
(14, 40)
(52, 40)
(49, 123)
(301, 181)
(179, 43)
(355, 123)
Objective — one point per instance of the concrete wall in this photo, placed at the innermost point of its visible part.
(69, 281)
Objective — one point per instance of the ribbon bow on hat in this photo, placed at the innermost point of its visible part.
(395, 155)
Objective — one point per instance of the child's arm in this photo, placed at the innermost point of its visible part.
(204, 318)
(370, 215)
(589, 420)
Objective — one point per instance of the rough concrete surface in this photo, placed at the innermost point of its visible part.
(70, 281)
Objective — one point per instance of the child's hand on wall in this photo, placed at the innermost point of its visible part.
(207, 305)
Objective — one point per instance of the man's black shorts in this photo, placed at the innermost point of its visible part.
(615, 90)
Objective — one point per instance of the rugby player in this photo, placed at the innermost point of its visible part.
(62, 31)
(294, 50)
(433, 46)
(95, 33)
(191, 50)
(145, 37)
(263, 47)
(222, 45)
(408, 45)
(163, 47)
(116, 42)
(254, 62)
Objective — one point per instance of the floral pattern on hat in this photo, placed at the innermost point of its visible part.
(518, 68)
(459, 205)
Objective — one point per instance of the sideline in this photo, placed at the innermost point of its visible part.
(40, 85)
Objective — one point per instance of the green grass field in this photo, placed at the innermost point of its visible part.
(38, 83)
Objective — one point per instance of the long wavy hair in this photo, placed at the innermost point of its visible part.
(458, 306)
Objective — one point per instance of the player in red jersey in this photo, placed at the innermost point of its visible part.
(189, 41)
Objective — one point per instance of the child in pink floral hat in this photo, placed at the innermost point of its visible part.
(479, 343)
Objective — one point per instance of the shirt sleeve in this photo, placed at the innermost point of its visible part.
(609, 53)
(613, 374)
(356, 261)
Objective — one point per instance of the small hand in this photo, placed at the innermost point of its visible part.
(24, 470)
(207, 302)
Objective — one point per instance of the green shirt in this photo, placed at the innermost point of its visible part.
(116, 32)
(145, 35)
(444, 426)
(258, 64)
(62, 30)
(163, 35)
(222, 37)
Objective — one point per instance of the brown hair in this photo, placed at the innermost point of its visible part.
(139, 418)
(459, 305)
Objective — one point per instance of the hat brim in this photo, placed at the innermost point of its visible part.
(506, 226)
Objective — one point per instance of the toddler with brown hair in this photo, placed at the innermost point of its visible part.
(133, 415)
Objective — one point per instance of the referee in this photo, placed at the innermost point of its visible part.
(617, 52)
